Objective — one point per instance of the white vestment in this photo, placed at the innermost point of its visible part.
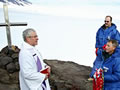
(30, 78)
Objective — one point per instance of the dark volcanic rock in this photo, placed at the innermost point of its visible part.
(4, 76)
(64, 75)
(6, 60)
(69, 75)
(11, 67)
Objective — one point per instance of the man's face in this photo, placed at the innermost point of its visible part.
(107, 22)
(32, 39)
(110, 48)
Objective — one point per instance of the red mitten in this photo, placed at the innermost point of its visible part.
(104, 47)
(96, 51)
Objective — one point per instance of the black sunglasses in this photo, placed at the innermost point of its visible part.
(107, 21)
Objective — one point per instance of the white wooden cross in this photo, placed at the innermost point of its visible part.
(7, 24)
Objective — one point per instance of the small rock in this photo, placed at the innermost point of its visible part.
(11, 67)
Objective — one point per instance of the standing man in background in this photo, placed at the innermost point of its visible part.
(31, 64)
(106, 32)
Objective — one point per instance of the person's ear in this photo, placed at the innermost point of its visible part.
(114, 48)
(27, 39)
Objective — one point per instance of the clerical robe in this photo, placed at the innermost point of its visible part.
(30, 78)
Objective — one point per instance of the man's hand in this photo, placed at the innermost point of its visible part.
(46, 77)
(49, 69)
(46, 71)
(90, 79)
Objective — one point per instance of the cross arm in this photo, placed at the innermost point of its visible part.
(13, 24)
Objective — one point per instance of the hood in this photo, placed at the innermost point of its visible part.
(26, 45)
(113, 26)
(116, 53)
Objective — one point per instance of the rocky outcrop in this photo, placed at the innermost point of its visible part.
(9, 68)
(69, 75)
(65, 75)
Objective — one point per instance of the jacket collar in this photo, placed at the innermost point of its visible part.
(27, 46)
(113, 26)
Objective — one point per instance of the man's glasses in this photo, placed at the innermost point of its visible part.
(33, 36)
(106, 21)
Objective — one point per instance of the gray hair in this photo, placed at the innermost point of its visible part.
(114, 42)
(27, 33)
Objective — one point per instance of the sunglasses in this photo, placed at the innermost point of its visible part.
(107, 21)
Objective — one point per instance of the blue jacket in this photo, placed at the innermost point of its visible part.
(97, 63)
(103, 35)
(111, 67)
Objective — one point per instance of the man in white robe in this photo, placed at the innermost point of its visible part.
(30, 75)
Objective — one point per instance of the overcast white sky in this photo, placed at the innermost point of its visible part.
(66, 28)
